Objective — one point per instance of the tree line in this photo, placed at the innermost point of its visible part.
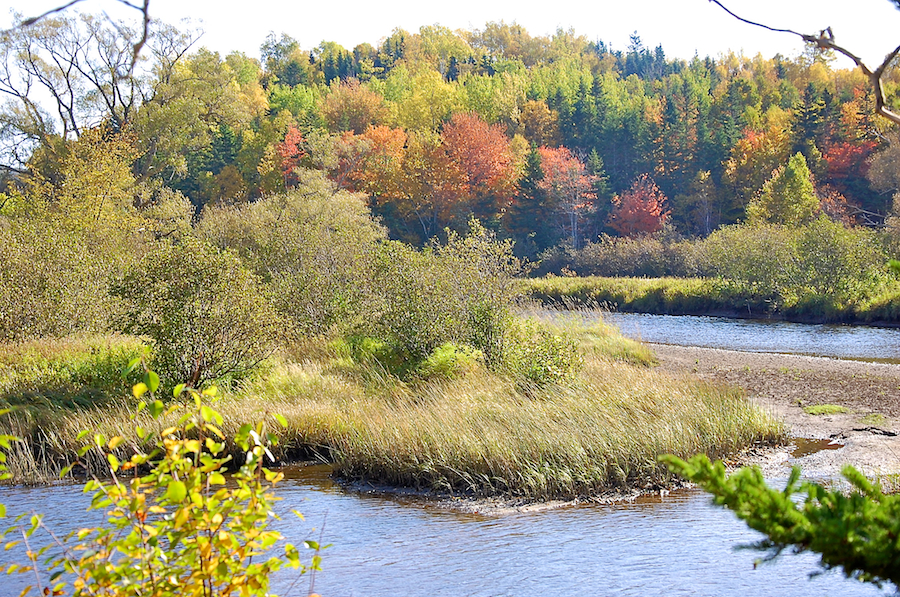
(545, 140)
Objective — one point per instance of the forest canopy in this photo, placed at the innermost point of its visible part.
(545, 140)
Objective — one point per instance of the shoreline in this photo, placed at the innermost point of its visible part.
(785, 384)
(779, 383)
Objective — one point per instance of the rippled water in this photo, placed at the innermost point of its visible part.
(839, 341)
(386, 546)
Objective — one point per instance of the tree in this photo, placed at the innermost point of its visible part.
(290, 153)
(570, 189)
(640, 210)
(825, 41)
(788, 197)
(350, 106)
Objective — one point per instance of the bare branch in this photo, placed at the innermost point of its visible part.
(33, 20)
(825, 41)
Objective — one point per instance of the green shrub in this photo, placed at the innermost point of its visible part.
(313, 248)
(449, 361)
(459, 292)
(537, 355)
(205, 313)
(54, 279)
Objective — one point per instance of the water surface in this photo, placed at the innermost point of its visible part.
(388, 546)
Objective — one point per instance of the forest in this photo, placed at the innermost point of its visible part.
(546, 141)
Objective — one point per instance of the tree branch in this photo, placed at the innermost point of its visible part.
(825, 41)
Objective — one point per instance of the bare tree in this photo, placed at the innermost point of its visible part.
(825, 40)
(143, 7)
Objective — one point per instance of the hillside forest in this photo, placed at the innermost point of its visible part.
(546, 141)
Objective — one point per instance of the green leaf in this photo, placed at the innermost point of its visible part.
(176, 392)
(152, 380)
(132, 364)
(156, 409)
(176, 491)
(281, 420)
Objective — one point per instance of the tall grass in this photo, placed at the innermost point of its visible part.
(480, 433)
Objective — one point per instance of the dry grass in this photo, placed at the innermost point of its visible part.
(477, 434)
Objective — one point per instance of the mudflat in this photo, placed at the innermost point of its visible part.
(866, 435)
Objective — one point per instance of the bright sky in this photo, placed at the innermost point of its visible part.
(870, 28)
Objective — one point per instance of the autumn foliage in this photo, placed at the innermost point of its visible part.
(290, 153)
(639, 210)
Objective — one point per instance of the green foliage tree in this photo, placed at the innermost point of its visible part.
(207, 315)
(788, 197)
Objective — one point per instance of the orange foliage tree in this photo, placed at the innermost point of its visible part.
(482, 159)
(640, 210)
(569, 187)
(290, 153)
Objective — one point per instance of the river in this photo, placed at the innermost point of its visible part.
(673, 545)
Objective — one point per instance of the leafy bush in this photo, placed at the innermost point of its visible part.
(646, 256)
(821, 266)
(537, 355)
(856, 531)
(459, 292)
(54, 279)
(449, 361)
(205, 313)
(312, 247)
(176, 527)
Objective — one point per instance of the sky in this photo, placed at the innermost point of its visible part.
(869, 28)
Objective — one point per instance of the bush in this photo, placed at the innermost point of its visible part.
(647, 256)
(538, 356)
(54, 279)
(313, 248)
(205, 313)
(175, 527)
(820, 267)
(459, 292)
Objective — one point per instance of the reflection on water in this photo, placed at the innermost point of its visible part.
(838, 341)
(677, 545)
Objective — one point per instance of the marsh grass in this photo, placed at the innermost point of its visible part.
(70, 372)
(479, 433)
(879, 302)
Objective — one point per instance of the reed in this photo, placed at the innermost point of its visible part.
(479, 434)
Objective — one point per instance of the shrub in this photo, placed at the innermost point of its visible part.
(54, 279)
(459, 292)
(449, 361)
(175, 527)
(312, 247)
(205, 313)
(537, 355)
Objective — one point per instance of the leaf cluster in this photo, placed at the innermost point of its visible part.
(176, 524)
(858, 531)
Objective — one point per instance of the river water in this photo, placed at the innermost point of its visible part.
(390, 546)
(837, 341)
(673, 545)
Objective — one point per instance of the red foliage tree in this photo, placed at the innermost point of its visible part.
(640, 210)
(290, 153)
(570, 188)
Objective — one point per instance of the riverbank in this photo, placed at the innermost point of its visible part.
(708, 296)
(484, 433)
(790, 387)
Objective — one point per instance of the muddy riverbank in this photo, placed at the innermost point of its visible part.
(786, 385)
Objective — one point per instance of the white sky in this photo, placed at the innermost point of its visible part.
(870, 28)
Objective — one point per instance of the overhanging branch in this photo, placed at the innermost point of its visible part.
(825, 41)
